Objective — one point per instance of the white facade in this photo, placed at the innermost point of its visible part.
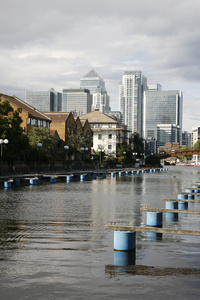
(107, 132)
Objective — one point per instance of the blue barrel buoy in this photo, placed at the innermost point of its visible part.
(33, 181)
(182, 204)
(151, 170)
(68, 178)
(82, 177)
(196, 189)
(143, 171)
(171, 205)
(191, 197)
(154, 170)
(112, 174)
(133, 172)
(94, 176)
(7, 184)
(147, 171)
(124, 259)
(138, 172)
(154, 219)
(120, 174)
(53, 180)
(104, 175)
(124, 241)
(17, 181)
(126, 172)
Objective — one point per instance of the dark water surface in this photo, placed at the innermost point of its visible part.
(53, 242)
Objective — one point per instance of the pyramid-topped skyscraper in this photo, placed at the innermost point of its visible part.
(93, 82)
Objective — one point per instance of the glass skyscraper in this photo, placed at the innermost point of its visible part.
(130, 99)
(96, 85)
(163, 107)
(77, 100)
(45, 100)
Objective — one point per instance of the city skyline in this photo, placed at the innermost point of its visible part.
(54, 44)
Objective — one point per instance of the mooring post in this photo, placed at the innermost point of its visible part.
(124, 241)
(182, 204)
(171, 205)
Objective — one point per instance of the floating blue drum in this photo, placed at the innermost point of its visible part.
(143, 171)
(120, 174)
(196, 188)
(82, 177)
(17, 181)
(94, 176)
(112, 174)
(154, 236)
(154, 219)
(104, 175)
(182, 204)
(68, 178)
(53, 180)
(7, 184)
(191, 197)
(151, 171)
(132, 172)
(124, 241)
(138, 172)
(171, 205)
(126, 172)
(33, 181)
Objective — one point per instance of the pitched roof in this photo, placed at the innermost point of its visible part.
(25, 106)
(57, 116)
(93, 74)
(98, 117)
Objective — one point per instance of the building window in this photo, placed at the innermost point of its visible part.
(99, 136)
(110, 125)
(98, 125)
(110, 136)
(109, 147)
(28, 122)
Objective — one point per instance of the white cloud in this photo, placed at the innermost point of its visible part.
(55, 43)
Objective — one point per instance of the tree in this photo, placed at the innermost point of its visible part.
(42, 135)
(185, 148)
(76, 140)
(197, 146)
(10, 128)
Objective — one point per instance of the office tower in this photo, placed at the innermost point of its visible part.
(131, 99)
(76, 100)
(45, 100)
(186, 139)
(163, 108)
(96, 85)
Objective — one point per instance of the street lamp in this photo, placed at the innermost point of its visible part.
(39, 145)
(66, 147)
(134, 154)
(83, 154)
(5, 141)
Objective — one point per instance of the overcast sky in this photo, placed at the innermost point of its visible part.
(53, 43)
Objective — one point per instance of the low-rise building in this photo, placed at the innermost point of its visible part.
(107, 132)
(31, 117)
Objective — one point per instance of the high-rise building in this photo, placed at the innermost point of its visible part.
(76, 100)
(131, 99)
(45, 100)
(96, 85)
(163, 107)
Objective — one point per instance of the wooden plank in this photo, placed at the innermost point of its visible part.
(183, 211)
(181, 200)
(153, 229)
(185, 193)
